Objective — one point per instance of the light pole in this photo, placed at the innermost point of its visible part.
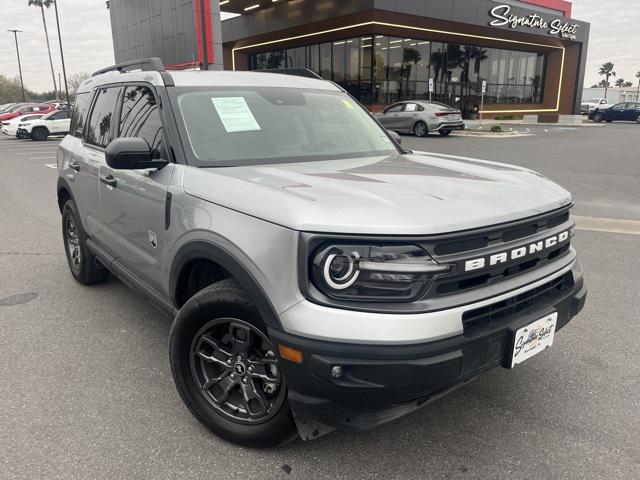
(64, 70)
(15, 35)
(203, 27)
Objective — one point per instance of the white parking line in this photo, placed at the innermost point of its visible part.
(609, 225)
(51, 165)
(34, 152)
(42, 158)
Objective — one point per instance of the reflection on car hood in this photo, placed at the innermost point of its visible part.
(405, 194)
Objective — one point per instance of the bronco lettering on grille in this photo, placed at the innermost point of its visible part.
(516, 253)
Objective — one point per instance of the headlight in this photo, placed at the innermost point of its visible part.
(391, 273)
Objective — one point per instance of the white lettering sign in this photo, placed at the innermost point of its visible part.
(503, 17)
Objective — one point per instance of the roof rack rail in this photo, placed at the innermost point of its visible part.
(300, 72)
(146, 64)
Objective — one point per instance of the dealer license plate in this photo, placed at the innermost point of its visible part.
(453, 116)
(533, 339)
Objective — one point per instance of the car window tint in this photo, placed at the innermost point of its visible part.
(140, 117)
(79, 114)
(98, 128)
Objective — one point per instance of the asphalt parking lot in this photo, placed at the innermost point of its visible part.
(87, 391)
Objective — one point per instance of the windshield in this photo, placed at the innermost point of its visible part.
(233, 126)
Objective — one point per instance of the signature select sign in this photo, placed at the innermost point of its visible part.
(503, 16)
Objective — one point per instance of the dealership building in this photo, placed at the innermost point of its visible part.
(529, 55)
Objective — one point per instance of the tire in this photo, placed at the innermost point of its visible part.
(39, 134)
(204, 351)
(445, 133)
(420, 129)
(598, 117)
(638, 119)
(83, 265)
(609, 121)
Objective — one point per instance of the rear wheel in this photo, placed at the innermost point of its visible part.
(420, 129)
(83, 265)
(226, 369)
(39, 134)
(445, 133)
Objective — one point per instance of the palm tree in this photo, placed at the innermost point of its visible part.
(607, 71)
(620, 82)
(46, 4)
(638, 92)
(627, 84)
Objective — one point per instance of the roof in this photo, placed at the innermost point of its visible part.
(209, 79)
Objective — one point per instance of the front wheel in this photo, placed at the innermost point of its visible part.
(226, 369)
(420, 129)
(598, 117)
(638, 119)
(445, 133)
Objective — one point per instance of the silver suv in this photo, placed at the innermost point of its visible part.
(319, 275)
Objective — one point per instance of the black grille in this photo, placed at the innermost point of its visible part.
(499, 239)
(495, 313)
(505, 234)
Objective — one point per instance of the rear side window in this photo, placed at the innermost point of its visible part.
(79, 114)
(140, 117)
(99, 124)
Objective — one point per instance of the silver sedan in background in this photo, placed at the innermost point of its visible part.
(421, 117)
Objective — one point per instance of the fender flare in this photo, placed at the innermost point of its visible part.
(206, 250)
(62, 184)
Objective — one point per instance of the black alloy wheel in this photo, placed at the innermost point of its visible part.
(226, 368)
(445, 133)
(638, 118)
(598, 117)
(235, 366)
(84, 267)
(72, 240)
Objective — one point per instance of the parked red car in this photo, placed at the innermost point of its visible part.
(28, 108)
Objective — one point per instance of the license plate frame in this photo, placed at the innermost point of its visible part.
(533, 338)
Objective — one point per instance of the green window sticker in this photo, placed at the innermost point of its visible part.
(235, 114)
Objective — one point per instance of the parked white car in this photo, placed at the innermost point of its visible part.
(56, 123)
(591, 104)
(10, 127)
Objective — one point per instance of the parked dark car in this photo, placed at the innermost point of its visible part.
(621, 112)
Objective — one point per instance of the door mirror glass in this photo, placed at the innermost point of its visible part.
(130, 153)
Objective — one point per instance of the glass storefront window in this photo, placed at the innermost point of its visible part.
(377, 69)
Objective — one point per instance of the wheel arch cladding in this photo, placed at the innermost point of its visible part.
(64, 193)
(210, 252)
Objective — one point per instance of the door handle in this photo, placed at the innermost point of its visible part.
(74, 166)
(109, 181)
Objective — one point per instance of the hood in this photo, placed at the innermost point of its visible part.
(417, 194)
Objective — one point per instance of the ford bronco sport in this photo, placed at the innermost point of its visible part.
(321, 276)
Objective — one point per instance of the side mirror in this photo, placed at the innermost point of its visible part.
(395, 136)
(131, 153)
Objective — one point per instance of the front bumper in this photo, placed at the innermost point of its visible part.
(382, 382)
